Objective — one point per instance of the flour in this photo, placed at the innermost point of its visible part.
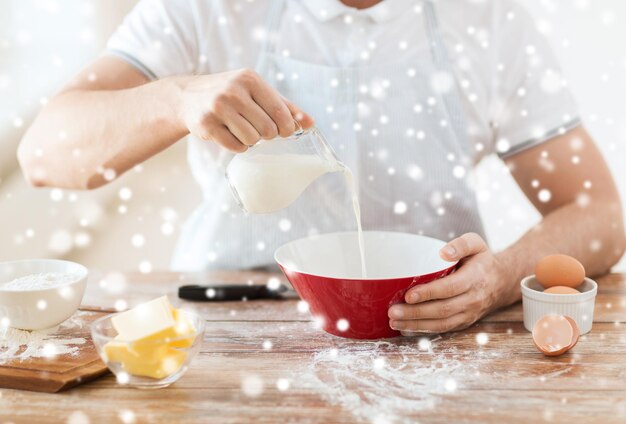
(384, 382)
(22, 345)
(40, 281)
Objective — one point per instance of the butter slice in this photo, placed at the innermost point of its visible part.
(145, 344)
(183, 327)
(157, 362)
(144, 320)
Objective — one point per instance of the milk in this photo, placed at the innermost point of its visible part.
(266, 183)
(357, 214)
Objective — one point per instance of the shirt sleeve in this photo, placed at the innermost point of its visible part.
(158, 37)
(531, 102)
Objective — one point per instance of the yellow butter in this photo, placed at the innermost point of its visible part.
(181, 328)
(158, 362)
(184, 327)
(155, 354)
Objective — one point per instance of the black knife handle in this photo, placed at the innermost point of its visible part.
(221, 293)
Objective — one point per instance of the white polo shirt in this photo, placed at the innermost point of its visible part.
(513, 94)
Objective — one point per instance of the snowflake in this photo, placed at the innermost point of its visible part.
(42, 304)
(56, 194)
(318, 322)
(252, 386)
(595, 245)
(482, 338)
(61, 242)
(503, 145)
(583, 200)
(400, 208)
(379, 363)
(284, 225)
(125, 193)
(282, 384)
(126, 416)
(343, 324)
(458, 171)
(138, 240)
(415, 172)
(167, 228)
(273, 283)
(82, 239)
(303, 307)
(544, 195)
(424, 344)
(123, 378)
(450, 385)
(49, 350)
(78, 417)
(120, 305)
(441, 82)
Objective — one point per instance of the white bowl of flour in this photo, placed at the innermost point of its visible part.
(40, 293)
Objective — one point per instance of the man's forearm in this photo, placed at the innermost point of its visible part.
(81, 134)
(592, 232)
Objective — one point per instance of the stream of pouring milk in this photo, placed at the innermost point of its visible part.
(267, 183)
(357, 214)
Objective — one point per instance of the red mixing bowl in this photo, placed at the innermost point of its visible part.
(325, 270)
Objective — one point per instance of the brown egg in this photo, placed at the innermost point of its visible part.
(559, 270)
(561, 290)
(555, 334)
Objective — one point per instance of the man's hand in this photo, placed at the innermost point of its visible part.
(236, 109)
(478, 286)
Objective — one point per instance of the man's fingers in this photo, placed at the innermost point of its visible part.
(243, 130)
(452, 285)
(222, 135)
(259, 119)
(274, 106)
(305, 120)
(455, 322)
(437, 309)
(466, 245)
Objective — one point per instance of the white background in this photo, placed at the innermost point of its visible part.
(42, 43)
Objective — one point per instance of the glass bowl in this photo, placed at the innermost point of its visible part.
(147, 364)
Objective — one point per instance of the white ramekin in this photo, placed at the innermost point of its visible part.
(579, 307)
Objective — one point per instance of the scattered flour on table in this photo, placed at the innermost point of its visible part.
(22, 344)
(44, 280)
(383, 382)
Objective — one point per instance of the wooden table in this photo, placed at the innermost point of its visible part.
(253, 350)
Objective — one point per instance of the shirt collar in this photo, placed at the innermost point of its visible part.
(327, 10)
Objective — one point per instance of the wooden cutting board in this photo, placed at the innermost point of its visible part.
(54, 374)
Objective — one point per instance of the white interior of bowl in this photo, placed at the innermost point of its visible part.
(388, 255)
(533, 290)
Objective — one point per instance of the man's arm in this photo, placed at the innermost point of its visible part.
(582, 217)
(107, 117)
(110, 118)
